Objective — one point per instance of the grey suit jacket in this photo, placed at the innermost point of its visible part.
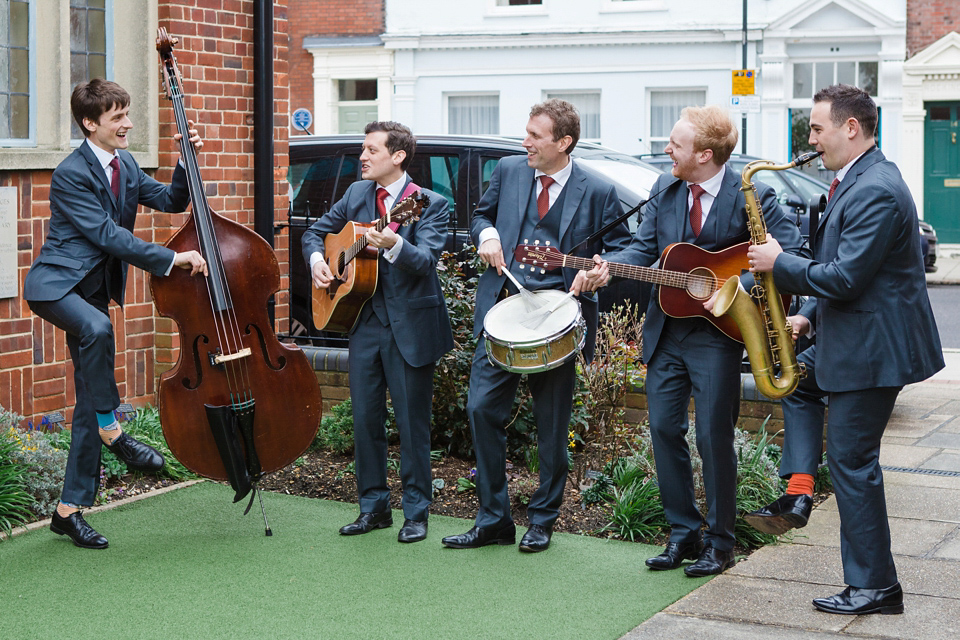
(410, 286)
(872, 314)
(666, 218)
(589, 204)
(88, 225)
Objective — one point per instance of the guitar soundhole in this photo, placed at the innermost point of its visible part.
(701, 283)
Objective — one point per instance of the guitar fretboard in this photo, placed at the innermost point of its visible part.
(677, 279)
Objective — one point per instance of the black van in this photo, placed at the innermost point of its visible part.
(456, 167)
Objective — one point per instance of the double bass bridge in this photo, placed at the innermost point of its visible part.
(219, 359)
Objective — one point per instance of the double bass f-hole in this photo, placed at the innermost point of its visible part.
(238, 403)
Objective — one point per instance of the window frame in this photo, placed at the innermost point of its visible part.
(30, 140)
(562, 93)
(468, 94)
(650, 138)
(130, 29)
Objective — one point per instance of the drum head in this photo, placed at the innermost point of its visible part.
(503, 320)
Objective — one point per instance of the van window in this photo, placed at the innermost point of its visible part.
(438, 173)
(487, 165)
(309, 184)
(349, 173)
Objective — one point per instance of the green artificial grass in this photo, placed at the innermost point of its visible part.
(188, 564)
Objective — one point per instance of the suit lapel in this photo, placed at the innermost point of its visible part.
(524, 186)
(682, 213)
(868, 160)
(101, 176)
(122, 193)
(725, 201)
(575, 188)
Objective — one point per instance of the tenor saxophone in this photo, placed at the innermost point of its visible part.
(767, 335)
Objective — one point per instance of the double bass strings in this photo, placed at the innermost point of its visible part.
(218, 290)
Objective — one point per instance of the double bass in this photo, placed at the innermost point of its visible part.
(238, 403)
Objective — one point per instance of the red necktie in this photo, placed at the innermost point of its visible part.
(833, 187)
(696, 212)
(543, 200)
(382, 195)
(115, 179)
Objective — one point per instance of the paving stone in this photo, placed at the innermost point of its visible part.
(890, 439)
(923, 503)
(920, 480)
(793, 562)
(950, 550)
(909, 456)
(924, 617)
(943, 462)
(666, 625)
(911, 428)
(951, 426)
(940, 440)
(908, 537)
(766, 602)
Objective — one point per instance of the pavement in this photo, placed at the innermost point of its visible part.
(768, 594)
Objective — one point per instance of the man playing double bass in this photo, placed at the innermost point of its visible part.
(94, 194)
(401, 333)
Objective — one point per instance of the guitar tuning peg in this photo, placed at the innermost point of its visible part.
(547, 243)
(542, 271)
(536, 243)
(521, 266)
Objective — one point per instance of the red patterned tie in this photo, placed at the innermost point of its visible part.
(696, 213)
(833, 187)
(382, 195)
(115, 179)
(543, 200)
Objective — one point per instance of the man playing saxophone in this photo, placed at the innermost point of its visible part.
(875, 333)
(689, 356)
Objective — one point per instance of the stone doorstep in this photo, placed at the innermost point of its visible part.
(41, 524)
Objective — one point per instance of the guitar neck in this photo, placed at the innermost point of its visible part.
(361, 242)
(676, 279)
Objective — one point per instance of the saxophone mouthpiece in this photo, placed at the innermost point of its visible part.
(807, 157)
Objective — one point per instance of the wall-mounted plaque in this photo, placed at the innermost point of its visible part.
(9, 283)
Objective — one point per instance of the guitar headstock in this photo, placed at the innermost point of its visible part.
(408, 209)
(538, 256)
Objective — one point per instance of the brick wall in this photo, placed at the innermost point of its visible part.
(928, 21)
(215, 56)
(325, 18)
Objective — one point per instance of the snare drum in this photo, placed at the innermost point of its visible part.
(519, 349)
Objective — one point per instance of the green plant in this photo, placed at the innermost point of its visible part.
(637, 513)
(758, 482)
(336, 429)
(532, 458)
(350, 468)
(14, 498)
(467, 484)
(393, 463)
(35, 451)
(600, 491)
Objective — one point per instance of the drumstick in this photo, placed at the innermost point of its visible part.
(530, 300)
(536, 319)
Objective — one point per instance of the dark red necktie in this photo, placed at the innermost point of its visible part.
(543, 200)
(696, 212)
(382, 195)
(115, 179)
(833, 187)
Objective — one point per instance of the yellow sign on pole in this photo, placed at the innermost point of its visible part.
(743, 82)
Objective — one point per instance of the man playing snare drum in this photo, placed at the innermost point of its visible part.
(545, 197)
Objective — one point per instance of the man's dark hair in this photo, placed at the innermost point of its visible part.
(92, 99)
(850, 102)
(566, 119)
(399, 138)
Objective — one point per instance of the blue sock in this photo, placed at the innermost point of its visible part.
(106, 421)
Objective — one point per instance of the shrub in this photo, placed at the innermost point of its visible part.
(336, 429)
(37, 452)
(14, 498)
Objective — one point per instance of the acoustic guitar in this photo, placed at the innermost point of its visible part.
(688, 276)
(354, 266)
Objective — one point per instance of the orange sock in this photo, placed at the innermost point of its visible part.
(800, 483)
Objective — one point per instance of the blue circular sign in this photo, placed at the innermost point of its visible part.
(302, 119)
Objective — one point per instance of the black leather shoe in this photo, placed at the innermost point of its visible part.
(136, 455)
(711, 562)
(367, 522)
(537, 538)
(412, 531)
(82, 534)
(674, 554)
(482, 536)
(853, 601)
(781, 515)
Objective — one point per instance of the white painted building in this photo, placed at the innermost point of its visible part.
(476, 66)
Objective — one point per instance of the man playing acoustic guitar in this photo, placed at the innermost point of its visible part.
(688, 355)
(401, 331)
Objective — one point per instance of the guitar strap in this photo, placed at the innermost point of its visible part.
(408, 191)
